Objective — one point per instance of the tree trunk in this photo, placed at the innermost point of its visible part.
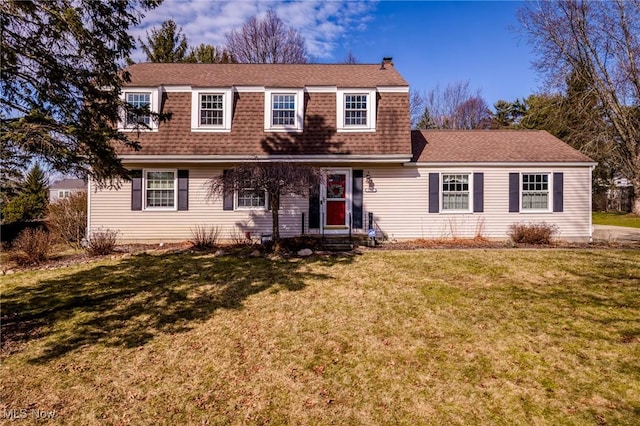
(635, 205)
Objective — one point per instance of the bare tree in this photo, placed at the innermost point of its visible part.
(457, 107)
(416, 107)
(600, 43)
(267, 41)
(275, 179)
(350, 58)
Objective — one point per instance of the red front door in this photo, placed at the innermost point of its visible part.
(336, 196)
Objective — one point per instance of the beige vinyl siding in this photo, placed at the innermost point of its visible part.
(112, 209)
(400, 206)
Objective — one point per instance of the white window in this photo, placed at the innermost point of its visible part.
(146, 99)
(284, 110)
(535, 191)
(211, 110)
(64, 194)
(356, 110)
(160, 189)
(455, 192)
(250, 197)
(142, 101)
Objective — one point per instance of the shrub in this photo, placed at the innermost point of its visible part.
(102, 242)
(532, 233)
(204, 237)
(31, 247)
(67, 219)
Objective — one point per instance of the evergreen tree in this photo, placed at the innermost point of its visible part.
(165, 44)
(31, 203)
(425, 121)
(209, 54)
(61, 80)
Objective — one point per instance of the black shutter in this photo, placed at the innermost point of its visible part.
(514, 192)
(478, 192)
(434, 192)
(136, 189)
(356, 197)
(183, 189)
(314, 208)
(558, 190)
(227, 195)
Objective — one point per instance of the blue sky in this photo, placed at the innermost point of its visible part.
(432, 43)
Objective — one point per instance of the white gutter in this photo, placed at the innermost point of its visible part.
(502, 164)
(333, 158)
(88, 230)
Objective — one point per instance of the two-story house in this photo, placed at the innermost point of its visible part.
(353, 122)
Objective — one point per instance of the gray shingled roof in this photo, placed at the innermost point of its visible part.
(488, 146)
(69, 184)
(267, 75)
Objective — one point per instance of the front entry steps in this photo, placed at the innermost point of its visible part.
(343, 242)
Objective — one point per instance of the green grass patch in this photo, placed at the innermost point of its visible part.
(616, 219)
(415, 337)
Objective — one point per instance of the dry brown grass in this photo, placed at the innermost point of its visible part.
(419, 337)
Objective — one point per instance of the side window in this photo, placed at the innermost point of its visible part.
(160, 189)
(535, 191)
(455, 192)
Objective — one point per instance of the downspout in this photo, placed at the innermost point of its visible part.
(88, 230)
(591, 203)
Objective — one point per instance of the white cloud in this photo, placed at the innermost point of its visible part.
(323, 23)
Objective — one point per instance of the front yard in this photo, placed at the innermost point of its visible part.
(508, 336)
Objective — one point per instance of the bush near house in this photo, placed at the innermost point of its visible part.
(31, 247)
(532, 233)
(102, 242)
(67, 219)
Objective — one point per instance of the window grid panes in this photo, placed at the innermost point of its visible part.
(139, 100)
(535, 191)
(355, 110)
(284, 110)
(160, 189)
(250, 197)
(211, 110)
(455, 192)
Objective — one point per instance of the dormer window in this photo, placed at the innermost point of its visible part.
(146, 99)
(356, 110)
(284, 110)
(138, 100)
(211, 110)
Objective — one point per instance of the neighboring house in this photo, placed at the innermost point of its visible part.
(350, 120)
(66, 188)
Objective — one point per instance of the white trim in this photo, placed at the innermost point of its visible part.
(176, 89)
(144, 190)
(469, 208)
(236, 204)
(590, 202)
(335, 158)
(340, 229)
(87, 233)
(393, 89)
(499, 164)
(550, 183)
(298, 125)
(371, 110)
(249, 89)
(155, 100)
(227, 105)
(321, 89)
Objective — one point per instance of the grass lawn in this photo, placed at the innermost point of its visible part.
(616, 219)
(389, 337)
